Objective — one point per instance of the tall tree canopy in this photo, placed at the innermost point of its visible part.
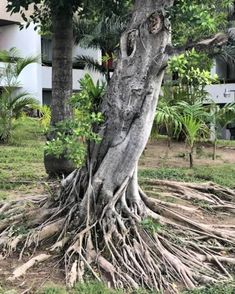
(102, 221)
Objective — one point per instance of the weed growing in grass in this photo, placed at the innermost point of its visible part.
(151, 225)
(204, 205)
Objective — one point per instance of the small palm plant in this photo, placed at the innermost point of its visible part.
(194, 119)
(193, 129)
(12, 100)
(220, 117)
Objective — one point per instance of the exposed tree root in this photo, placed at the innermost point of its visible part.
(208, 192)
(131, 240)
(21, 270)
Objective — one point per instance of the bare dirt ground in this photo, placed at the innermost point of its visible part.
(157, 154)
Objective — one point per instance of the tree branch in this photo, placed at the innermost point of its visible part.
(202, 45)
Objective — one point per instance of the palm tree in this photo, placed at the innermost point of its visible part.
(193, 129)
(12, 100)
(221, 117)
(105, 36)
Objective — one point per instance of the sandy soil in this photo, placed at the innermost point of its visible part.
(158, 154)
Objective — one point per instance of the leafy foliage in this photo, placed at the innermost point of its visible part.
(105, 35)
(71, 136)
(196, 19)
(220, 117)
(167, 116)
(191, 119)
(45, 116)
(191, 74)
(223, 115)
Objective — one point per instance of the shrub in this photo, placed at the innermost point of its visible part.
(70, 137)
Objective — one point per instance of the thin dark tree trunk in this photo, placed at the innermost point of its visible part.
(191, 157)
(214, 149)
(62, 42)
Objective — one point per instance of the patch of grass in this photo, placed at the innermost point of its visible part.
(89, 287)
(52, 289)
(223, 174)
(21, 160)
(217, 289)
(4, 291)
(94, 287)
(226, 143)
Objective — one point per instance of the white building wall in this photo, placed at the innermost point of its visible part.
(36, 77)
(221, 93)
(28, 42)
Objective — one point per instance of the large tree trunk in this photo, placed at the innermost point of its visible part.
(130, 104)
(62, 43)
(102, 221)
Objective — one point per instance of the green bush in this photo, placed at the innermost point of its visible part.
(71, 136)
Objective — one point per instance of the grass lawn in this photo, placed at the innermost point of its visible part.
(223, 175)
(21, 161)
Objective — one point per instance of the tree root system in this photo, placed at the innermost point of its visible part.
(130, 240)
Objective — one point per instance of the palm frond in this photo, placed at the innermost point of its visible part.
(168, 116)
(104, 35)
(9, 56)
(90, 63)
(23, 62)
(196, 110)
(193, 128)
(223, 115)
(14, 102)
(22, 103)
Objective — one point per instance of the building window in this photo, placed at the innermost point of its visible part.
(225, 69)
(47, 54)
(46, 51)
(46, 97)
